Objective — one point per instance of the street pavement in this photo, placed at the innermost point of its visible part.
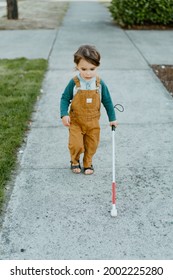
(54, 214)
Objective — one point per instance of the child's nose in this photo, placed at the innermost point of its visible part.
(88, 73)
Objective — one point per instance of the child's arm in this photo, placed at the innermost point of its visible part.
(66, 97)
(108, 104)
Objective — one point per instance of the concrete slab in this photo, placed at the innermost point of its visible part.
(94, 26)
(141, 93)
(154, 45)
(26, 43)
(79, 226)
(49, 150)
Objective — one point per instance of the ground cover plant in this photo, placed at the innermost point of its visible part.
(128, 13)
(20, 84)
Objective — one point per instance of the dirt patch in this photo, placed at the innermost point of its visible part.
(35, 14)
(165, 74)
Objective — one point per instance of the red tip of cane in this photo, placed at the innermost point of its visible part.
(113, 193)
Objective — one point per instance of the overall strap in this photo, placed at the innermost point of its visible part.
(78, 86)
(98, 82)
(98, 86)
(77, 82)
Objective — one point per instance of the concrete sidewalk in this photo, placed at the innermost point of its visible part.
(54, 214)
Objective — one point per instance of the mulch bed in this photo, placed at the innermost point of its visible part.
(149, 27)
(165, 74)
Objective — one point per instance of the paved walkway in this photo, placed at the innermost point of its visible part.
(54, 214)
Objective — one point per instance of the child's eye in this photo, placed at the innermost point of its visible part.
(83, 69)
(92, 69)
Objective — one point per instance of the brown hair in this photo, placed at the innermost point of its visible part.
(89, 53)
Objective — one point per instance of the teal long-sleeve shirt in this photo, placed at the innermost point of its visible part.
(106, 100)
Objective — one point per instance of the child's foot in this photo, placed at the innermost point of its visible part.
(76, 168)
(89, 170)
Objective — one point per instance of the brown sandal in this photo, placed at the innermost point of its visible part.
(76, 166)
(89, 168)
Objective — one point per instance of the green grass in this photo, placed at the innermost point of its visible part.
(20, 84)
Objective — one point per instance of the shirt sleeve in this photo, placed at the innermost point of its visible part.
(107, 102)
(66, 98)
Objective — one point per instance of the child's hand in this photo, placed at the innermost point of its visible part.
(115, 123)
(66, 120)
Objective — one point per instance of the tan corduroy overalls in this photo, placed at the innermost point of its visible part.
(84, 131)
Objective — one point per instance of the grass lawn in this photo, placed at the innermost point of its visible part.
(20, 83)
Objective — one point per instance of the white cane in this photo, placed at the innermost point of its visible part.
(114, 210)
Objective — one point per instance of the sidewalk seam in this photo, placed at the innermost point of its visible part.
(136, 47)
(51, 49)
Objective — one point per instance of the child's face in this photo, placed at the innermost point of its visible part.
(86, 69)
